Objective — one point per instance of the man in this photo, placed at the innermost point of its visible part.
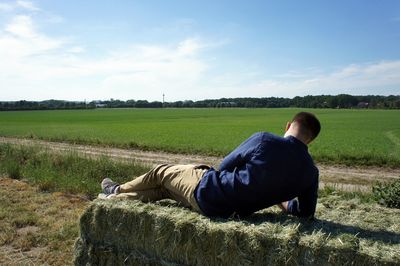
(264, 170)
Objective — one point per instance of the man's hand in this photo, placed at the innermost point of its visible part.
(283, 206)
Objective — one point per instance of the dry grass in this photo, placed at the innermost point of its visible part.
(37, 228)
(131, 233)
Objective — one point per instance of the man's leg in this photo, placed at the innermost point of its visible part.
(180, 181)
(177, 182)
(150, 180)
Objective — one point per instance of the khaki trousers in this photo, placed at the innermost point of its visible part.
(166, 181)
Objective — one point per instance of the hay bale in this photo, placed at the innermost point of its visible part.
(122, 232)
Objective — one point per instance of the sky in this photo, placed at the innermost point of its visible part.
(194, 50)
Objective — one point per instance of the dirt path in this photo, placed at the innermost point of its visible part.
(343, 177)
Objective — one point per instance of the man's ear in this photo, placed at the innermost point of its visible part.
(287, 126)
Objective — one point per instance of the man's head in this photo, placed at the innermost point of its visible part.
(304, 126)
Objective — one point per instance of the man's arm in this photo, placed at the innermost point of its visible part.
(241, 154)
(283, 206)
(305, 204)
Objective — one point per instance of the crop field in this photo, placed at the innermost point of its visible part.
(360, 137)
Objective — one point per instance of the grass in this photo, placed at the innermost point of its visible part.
(63, 172)
(39, 223)
(360, 137)
(37, 228)
(388, 194)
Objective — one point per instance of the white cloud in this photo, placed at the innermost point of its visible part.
(36, 65)
(20, 40)
(145, 71)
(372, 78)
(378, 75)
(76, 49)
(27, 5)
(188, 47)
(357, 79)
(21, 26)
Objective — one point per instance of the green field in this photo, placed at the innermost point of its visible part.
(362, 137)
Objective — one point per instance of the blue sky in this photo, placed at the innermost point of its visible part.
(192, 50)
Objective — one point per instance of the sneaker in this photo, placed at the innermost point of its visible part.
(109, 187)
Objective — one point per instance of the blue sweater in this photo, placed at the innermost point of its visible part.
(263, 171)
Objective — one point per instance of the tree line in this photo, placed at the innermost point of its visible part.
(319, 101)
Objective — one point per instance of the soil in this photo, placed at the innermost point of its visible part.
(342, 177)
